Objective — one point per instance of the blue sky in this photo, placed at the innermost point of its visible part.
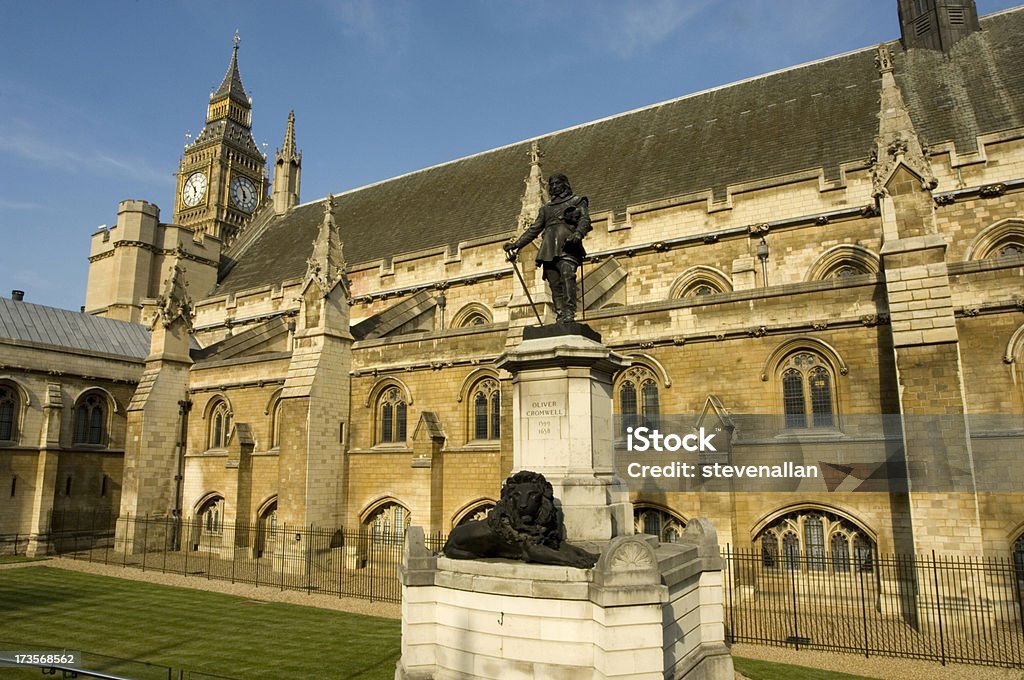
(96, 97)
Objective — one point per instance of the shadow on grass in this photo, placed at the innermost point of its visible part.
(756, 669)
(388, 662)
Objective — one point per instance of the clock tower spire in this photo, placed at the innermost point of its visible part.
(221, 178)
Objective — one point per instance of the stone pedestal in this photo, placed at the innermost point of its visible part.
(645, 611)
(563, 428)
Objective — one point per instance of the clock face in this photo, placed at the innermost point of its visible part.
(194, 189)
(243, 193)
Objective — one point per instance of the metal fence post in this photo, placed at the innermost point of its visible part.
(938, 608)
(186, 547)
(168, 528)
(729, 586)
(209, 550)
(92, 534)
(284, 538)
(309, 560)
(796, 622)
(129, 527)
(863, 607)
(145, 541)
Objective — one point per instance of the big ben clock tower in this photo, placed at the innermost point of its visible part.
(221, 179)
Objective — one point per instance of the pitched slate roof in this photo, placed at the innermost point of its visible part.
(976, 89)
(818, 115)
(26, 322)
(242, 343)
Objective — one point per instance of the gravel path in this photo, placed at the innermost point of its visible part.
(388, 610)
(887, 668)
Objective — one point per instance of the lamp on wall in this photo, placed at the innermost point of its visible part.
(442, 302)
(762, 254)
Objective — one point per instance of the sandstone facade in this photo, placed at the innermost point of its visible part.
(835, 241)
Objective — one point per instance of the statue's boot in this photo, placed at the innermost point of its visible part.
(567, 272)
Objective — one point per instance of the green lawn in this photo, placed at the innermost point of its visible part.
(46, 608)
(764, 670)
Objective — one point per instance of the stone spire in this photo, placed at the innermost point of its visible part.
(536, 193)
(897, 142)
(326, 264)
(174, 301)
(288, 149)
(232, 83)
(521, 311)
(287, 170)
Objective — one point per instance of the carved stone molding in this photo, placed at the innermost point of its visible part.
(992, 190)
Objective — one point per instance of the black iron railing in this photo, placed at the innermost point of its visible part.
(945, 608)
(329, 561)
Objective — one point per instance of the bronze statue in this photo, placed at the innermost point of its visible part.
(524, 525)
(565, 221)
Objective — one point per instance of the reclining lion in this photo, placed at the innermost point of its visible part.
(524, 525)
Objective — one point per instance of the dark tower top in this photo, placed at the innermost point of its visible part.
(231, 86)
(936, 24)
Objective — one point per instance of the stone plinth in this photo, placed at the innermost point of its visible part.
(645, 611)
(563, 428)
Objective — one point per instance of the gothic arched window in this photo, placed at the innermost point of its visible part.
(790, 550)
(475, 513)
(220, 425)
(275, 425)
(266, 529)
(389, 523)
(391, 414)
(844, 270)
(10, 409)
(818, 539)
(770, 549)
(700, 288)
(91, 419)
(485, 401)
(840, 552)
(655, 521)
(700, 281)
(211, 515)
(1010, 250)
(807, 391)
(639, 404)
(1018, 560)
(473, 314)
(814, 543)
(842, 261)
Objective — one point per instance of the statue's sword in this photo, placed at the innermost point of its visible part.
(512, 257)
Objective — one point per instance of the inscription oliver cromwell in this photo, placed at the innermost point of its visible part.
(543, 414)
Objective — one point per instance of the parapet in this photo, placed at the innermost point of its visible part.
(135, 205)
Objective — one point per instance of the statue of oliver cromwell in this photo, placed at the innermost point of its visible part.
(564, 221)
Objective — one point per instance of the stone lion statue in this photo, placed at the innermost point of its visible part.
(524, 525)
